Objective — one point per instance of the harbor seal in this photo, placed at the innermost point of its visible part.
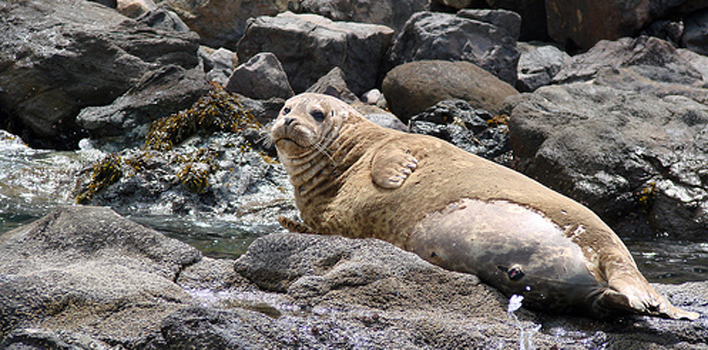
(456, 210)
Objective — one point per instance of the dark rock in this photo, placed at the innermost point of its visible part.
(533, 12)
(80, 54)
(504, 20)
(413, 87)
(221, 23)
(163, 19)
(632, 149)
(391, 13)
(92, 273)
(538, 65)
(310, 46)
(262, 77)
(474, 130)
(695, 35)
(442, 36)
(581, 24)
(333, 84)
(158, 94)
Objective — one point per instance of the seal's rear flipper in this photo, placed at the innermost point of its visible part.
(641, 302)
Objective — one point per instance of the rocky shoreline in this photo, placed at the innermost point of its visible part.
(611, 111)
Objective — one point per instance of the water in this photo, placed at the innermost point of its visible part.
(35, 182)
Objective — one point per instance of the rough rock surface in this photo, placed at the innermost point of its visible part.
(262, 77)
(334, 84)
(309, 46)
(442, 36)
(633, 149)
(413, 87)
(391, 13)
(84, 277)
(80, 54)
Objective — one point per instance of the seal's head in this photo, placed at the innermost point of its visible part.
(307, 125)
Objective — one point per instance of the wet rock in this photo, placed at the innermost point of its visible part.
(390, 13)
(695, 35)
(538, 65)
(158, 94)
(413, 87)
(262, 77)
(442, 36)
(581, 24)
(89, 275)
(333, 84)
(651, 57)
(309, 46)
(632, 149)
(80, 54)
(222, 23)
(85, 277)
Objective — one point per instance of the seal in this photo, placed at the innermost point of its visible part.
(456, 210)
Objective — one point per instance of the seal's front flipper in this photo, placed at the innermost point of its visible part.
(391, 166)
(294, 226)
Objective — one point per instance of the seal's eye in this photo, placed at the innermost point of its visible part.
(318, 115)
(286, 110)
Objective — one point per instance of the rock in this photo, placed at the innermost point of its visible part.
(84, 277)
(390, 13)
(92, 274)
(309, 46)
(695, 35)
(653, 58)
(533, 12)
(158, 94)
(504, 20)
(80, 54)
(442, 36)
(474, 130)
(699, 62)
(163, 19)
(380, 117)
(219, 64)
(333, 84)
(135, 8)
(262, 77)
(632, 149)
(222, 23)
(581, 24)
(413, 87)
(538, 65)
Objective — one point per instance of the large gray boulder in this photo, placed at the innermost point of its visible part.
(538, 65)
(631, 148)
(84, 277)
(487, 39)
(413, 87)
(309, 46)
(58, 56)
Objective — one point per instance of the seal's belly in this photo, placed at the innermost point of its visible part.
(513, 248)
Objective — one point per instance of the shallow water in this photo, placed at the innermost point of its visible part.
(35, 182)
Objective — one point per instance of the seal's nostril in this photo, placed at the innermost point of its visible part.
(289, 121)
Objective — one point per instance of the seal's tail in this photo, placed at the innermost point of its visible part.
(633, 294)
